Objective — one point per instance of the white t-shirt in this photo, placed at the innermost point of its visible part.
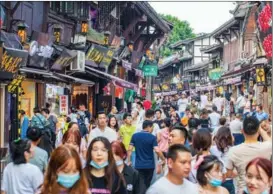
(214, 119)
(164, 186)
(21, 179)
(204, 101)
(182, 104)
(236, 126)
(218, 102)
(108, 133)
(155, 131)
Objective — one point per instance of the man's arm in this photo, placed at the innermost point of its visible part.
(129, 154)
(264, 134)
(159, 153)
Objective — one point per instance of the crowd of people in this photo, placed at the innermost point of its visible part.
(184, 145)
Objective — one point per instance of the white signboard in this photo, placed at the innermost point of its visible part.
(63, 105)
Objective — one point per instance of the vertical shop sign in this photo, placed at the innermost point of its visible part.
(63, 105)
(260, 75)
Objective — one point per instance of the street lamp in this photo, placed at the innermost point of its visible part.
(22, 31)
(106, 37)
(57, 33)
(84, 27)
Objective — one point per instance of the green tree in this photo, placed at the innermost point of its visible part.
(181, 31)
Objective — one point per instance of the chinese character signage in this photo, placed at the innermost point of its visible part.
(66, 58)
(260, 75)
(63, 104)
(107, 59)
(15, 83)
(216, 74)
(150, 70)
(156, 88)
(165, 87)
(95, 55)
(12, 59)
(127, 65)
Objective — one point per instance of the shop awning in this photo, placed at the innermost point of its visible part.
(115, 79)
(44, 73)
(198, 66)
(238, 72)
(77, 80)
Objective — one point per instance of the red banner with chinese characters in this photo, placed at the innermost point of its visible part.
(63, 105)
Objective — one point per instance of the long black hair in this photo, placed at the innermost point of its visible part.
(223, 139)
(116, 126)
(111, 171)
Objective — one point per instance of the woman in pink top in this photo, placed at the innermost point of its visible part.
(163, 135)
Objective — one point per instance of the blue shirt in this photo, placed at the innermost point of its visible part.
(261, 116)
(24, 127)
(144, 144)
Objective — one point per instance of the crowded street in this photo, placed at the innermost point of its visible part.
(135, 97)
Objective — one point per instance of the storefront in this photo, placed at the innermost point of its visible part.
(53, 97)
(28, 98)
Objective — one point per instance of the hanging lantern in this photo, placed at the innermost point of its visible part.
(106, 38)
(84, 27)
(57, 33)
(22, 32)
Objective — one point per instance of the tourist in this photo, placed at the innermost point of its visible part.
(113, 111)
(158, 118)
(218, 102)
(163, 136)
(101, 171)
(102, 130)
(19, 175)
(201, 142)
(210, 175)
(236, 127)
(214, 118)
(240, 104)
(145, 144)
(40, 156)
(223, 142)
(38, 120)
(260, 114)
(64, 173)
(240, 155)
(113, 123)
(24, 123)
(222, 123)
(205, 120)
(178, 135)
(182, 104)
(179, 166)
(73, 138)
(134, 184)
(135, 117)
(258, 177)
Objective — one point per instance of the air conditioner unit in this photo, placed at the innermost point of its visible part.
(79, 62)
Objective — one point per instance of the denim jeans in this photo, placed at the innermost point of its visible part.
(229, 186)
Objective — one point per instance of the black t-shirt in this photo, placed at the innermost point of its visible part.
(99, 186)
(204, 123)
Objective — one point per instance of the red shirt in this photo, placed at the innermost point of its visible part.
(147, 104)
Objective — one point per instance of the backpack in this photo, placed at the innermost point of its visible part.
(82, 127)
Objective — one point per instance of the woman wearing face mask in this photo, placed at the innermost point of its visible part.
(201, 142)
(101, 170)
(258, 177)
(19, 175)
(64, 173)
(73, 138)
(224, 141)
(134, 184)
(209, 176)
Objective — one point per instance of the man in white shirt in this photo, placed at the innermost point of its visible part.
(236, 127)
(149, 115)
(218, 102)
(240, 103)
(182, 104)
(214, 118)
(179, 167)
(204, 100)
(102, 130)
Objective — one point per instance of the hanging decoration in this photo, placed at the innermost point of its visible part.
(260, 75)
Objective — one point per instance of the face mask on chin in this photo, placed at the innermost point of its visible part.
(99, 166)
(119, 162)
(215, 182)
(68, 181)
(264, 192)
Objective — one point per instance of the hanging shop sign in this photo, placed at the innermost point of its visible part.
(94, 36)
(165, 87)
(16, 82)
(136, 58)
(232, 80)
(63, 104)
(215, 74)
(107, 59)
(260, 75)
(116, 42)
(10, 40)
(156, 88)
(66, 59)
(12, 59)
(95, 55)
(127, 65)
(150, 70)
(179, 86)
